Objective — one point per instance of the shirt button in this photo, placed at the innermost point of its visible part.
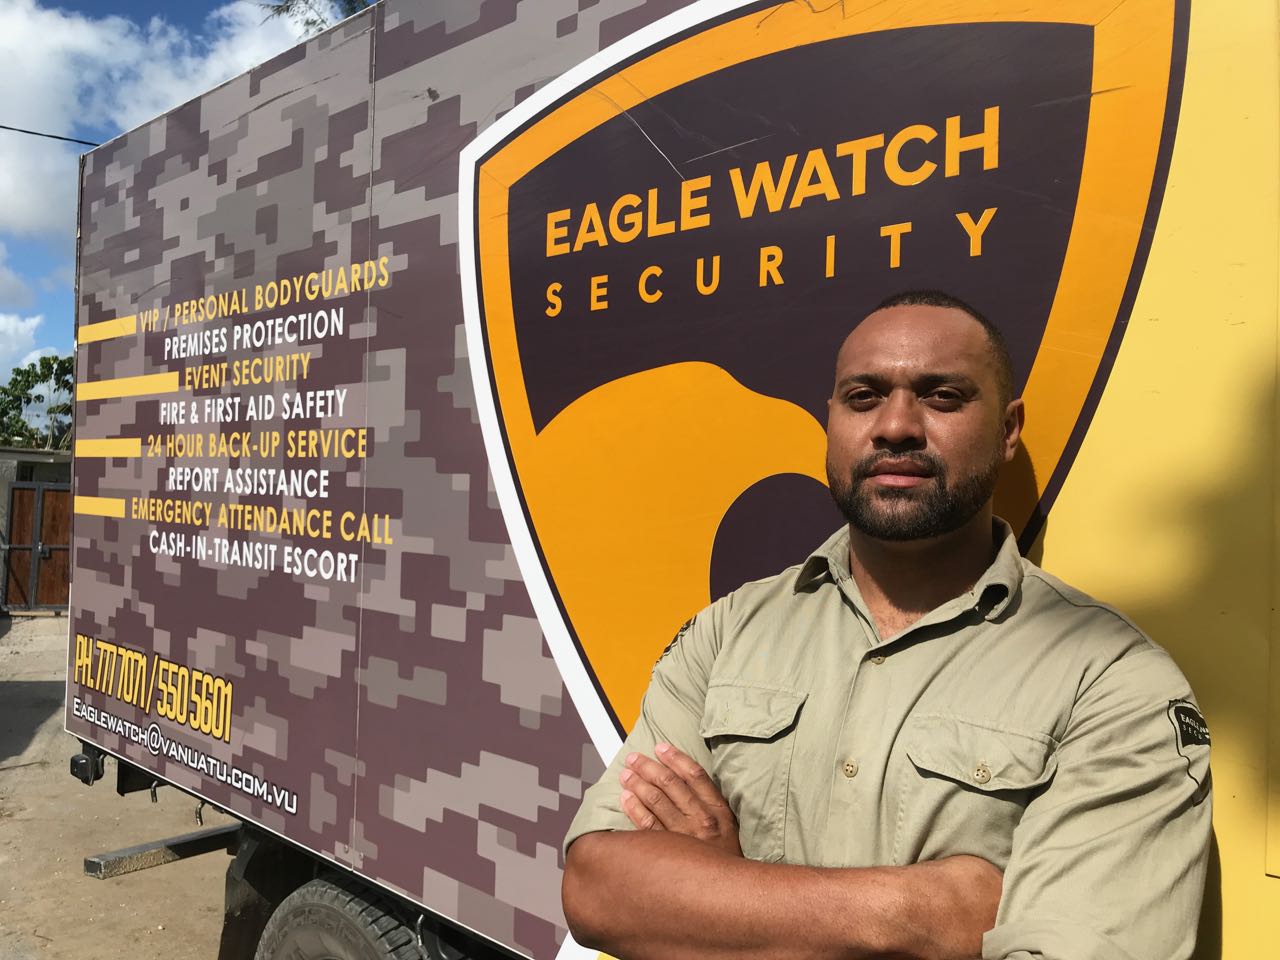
(851, 768)
(877, 659)
(982, 773)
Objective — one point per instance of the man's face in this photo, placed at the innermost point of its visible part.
(916, 428)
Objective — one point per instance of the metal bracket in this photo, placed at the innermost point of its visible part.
(116, 863)
(131, 778)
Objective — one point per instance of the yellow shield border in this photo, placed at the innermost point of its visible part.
(1139, 56)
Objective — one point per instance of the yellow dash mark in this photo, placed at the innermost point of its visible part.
(151, 383)
(100, 506)
(110, 447)
(107, 329)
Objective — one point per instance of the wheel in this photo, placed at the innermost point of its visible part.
(335, 919)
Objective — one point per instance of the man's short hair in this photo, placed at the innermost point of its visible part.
(939, 298)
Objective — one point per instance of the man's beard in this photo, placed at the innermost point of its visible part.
(911, 513)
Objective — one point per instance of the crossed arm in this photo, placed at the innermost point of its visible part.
(678, 886)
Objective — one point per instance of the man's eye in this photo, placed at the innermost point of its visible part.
(861, 399)
(944, 399)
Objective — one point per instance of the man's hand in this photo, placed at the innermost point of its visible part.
(674, 793)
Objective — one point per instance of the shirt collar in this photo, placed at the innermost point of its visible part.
(829, 562)
(991, 594)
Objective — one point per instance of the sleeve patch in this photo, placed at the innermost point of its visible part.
(1191, 739)
(1187, 720)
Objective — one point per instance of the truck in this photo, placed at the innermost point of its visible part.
(431, 374)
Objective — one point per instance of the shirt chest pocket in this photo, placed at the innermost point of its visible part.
(964, 787)
(750, 732)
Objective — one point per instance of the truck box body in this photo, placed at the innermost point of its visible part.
(433, 373)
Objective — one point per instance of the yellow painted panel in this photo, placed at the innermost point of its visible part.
(109, 447)
(1273, 754)
(1170, 509)
(1273, 758)
(151, 383)
(100, 506)
(107, 329)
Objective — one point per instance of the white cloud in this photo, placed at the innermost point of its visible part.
(14, 291)
(17, 341)
(66, 73)
(36, 354)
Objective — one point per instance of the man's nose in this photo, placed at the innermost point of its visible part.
(900, 424)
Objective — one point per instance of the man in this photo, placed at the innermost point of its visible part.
(915, 743)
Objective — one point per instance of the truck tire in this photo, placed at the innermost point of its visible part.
(335, 919)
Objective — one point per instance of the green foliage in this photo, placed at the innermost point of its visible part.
(45, 385)
(312, 15)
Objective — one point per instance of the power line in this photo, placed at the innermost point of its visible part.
(51, 136)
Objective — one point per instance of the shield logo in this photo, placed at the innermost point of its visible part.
(663, 249)
(1191, 739)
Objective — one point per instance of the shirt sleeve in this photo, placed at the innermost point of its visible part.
(670, 712)
(1109, 861)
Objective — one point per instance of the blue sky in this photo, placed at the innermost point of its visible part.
(92, 69)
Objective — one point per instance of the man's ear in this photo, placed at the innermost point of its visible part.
(1015, 416)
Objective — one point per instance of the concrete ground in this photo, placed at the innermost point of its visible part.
(50, 822)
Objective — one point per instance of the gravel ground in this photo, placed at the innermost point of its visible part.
(50, 822)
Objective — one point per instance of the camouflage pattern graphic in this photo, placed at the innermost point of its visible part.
(405, 720)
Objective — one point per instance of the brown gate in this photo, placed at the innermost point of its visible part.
(37, 561)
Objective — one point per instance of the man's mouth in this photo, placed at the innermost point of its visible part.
(899, 473)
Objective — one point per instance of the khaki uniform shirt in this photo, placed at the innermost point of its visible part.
(1023, 722)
